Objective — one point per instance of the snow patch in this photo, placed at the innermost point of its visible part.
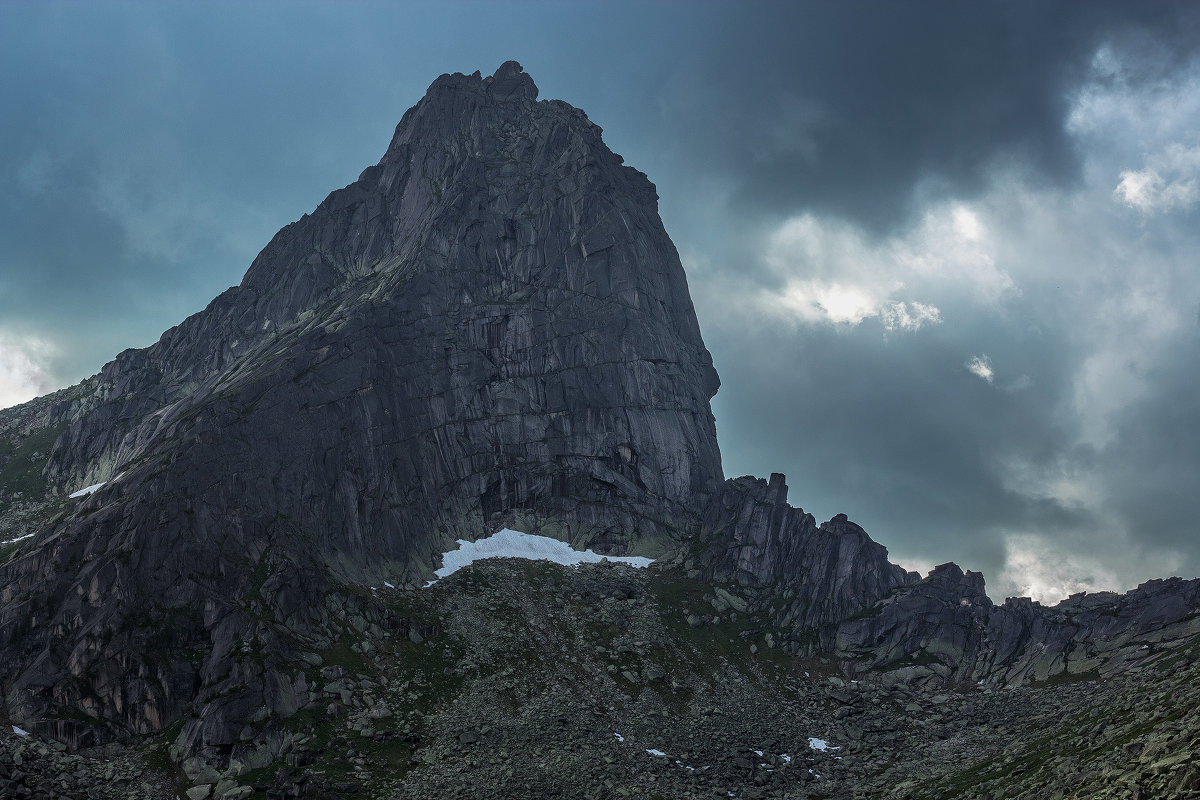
(87, 490)
(389, 585)
(19, 732)
(654, 752)
(19, 538)
(820, 744)
(508, 543)
(620, 738)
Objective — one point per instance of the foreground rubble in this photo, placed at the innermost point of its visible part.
(529, 680)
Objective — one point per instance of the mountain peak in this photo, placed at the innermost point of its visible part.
(510, 81)
(507, 84)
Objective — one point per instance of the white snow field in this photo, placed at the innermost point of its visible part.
(507, 543)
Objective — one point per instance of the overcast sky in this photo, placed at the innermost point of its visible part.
(946, 255)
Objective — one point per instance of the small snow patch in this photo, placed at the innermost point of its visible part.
(508, 543)
(820, 744)
(87, 490)
(389, 585)
(19, 732)
(654, 752)
(620, 738)
(19, 539)
(786, 758)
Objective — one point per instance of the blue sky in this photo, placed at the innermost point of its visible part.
(944, 254)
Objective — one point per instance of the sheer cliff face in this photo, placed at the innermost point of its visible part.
(489, 327)
(491, 319)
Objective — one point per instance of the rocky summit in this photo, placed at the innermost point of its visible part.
(224, 569)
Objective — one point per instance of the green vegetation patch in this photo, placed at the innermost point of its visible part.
(23, 465)
(711, 644)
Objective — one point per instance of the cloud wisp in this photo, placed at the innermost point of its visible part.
(981, 367)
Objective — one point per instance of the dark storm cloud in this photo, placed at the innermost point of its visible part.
(901, 437)
(1152, 477)
(862, 110)
(874, 114)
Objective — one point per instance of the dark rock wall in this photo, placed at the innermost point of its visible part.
(816, 575)
(491, 324)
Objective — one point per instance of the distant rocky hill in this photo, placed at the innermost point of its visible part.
(213, 553)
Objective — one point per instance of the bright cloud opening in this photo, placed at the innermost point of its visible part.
(22, 376)
(833, 273)
(1170, 181)
(1033, 568)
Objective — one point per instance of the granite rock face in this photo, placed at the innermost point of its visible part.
(816, 575)
(489, 327)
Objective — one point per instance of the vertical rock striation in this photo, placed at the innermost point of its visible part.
(816, 574)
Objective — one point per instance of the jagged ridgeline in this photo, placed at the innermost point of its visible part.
(219, 542)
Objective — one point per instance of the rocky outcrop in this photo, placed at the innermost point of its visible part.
(814, 575)
(945, 630)
(833, 588)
